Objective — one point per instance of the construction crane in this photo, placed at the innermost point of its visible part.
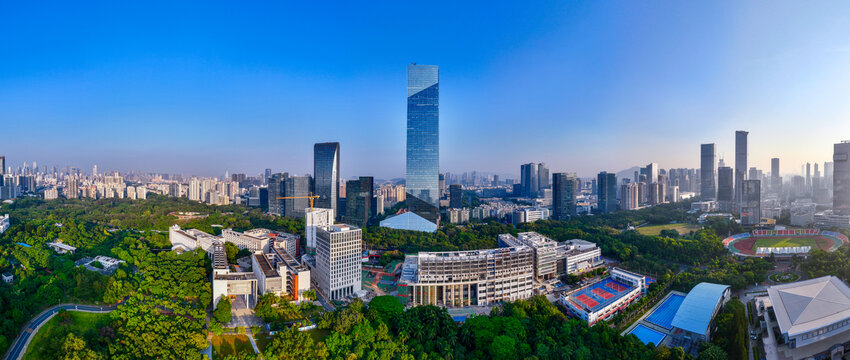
(311, 197)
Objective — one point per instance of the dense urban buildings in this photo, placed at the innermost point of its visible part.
(423, 141)
(338, 257)
(326, 175)
(4, 223)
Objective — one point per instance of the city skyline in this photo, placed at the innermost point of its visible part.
(152, 99)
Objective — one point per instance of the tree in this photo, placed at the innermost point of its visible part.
(231, 251)
(713, 352)
(387, 306)
(295, 345)
(222, 310)
(75, 348)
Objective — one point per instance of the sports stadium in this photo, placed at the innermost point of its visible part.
(783, 242)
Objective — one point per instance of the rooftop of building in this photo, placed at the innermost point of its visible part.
(265, 265)
(811, 304)
(697, 309)
(464, 254)
(235, 276)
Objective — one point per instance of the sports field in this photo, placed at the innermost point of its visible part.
(681, 228)
(815, 242)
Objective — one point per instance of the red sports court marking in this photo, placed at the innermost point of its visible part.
(587, 301)
(616, 287)
(602, 293)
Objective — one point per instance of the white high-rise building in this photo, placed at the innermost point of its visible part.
(313, 220)
(338, 259)
(194, 189)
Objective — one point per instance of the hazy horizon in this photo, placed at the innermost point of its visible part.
(585, 87)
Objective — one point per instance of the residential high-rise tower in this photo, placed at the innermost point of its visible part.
(564, 196)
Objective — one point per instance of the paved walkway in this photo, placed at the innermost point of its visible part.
(19, 346)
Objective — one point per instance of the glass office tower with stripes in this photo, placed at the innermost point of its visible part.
(423, 141)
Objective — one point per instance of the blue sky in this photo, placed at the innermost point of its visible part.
(584, 86)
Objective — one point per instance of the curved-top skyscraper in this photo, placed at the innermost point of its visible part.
(423, 141)
(326, 175)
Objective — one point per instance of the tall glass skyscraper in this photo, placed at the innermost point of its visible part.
(326, 175)
(708, 190)
(423, 141)
(740, 162)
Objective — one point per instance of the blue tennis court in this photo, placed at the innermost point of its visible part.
(601, 294)
(647, 335)
(664, 313)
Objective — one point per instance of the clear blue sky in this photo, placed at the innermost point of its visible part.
(584, 86)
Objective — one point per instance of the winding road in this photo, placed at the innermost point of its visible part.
(19, 347)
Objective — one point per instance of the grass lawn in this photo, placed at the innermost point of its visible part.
(230, 345)
(53, 330)
(262, 339)
(318, 334)
(682, 228)
(785, 242)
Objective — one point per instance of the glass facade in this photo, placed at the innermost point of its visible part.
(423, 141)
(326, 175)
(841, 178)
(296, 186)
(708, 190)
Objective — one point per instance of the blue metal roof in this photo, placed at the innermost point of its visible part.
(695, 313)
(409, 221)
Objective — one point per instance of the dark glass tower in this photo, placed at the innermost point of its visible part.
(725, 190)
(708, 189)
(564, 196)
(606, 186)
(326, 175)
(841, 178)
(423, 141)
(740, 162)
(296, 186)
(775, 180)
(358, 196)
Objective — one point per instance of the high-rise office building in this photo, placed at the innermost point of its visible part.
(326, 175)
(751, 202)
(542, 177)
(2, 169)
(828, 169)
(297, 186)
(442, 186)
(358, 197)
(775, 179)
(740, 161)
(338, 261)
(423, 141)
(529, 179)
(267, 175)
(841, 178)
(708, 189)
(276, 190)
(725, 184)
(455, 196)
(564, 188)
(808, 176)
(606, 184)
